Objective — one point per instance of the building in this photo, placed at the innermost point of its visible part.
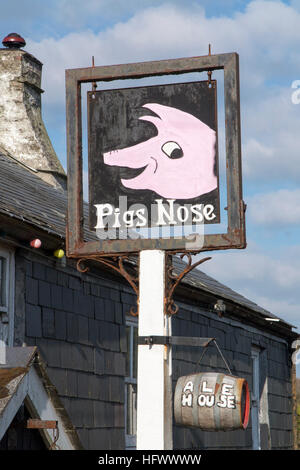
(74, 328)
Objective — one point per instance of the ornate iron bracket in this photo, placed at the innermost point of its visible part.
(117, 264)
(174, 279)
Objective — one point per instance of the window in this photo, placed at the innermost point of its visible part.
(3, 284)
(6, 296)
(131, 384)
(255, 401)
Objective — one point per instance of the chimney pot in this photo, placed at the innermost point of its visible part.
(23, 135)
(13, 41)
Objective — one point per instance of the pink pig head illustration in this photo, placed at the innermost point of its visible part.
(178, 163)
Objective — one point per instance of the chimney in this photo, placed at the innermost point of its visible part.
(23, 135)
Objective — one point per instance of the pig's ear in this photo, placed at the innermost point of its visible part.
(165, 113)
(155, 120)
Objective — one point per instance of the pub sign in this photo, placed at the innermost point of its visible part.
(153, 159)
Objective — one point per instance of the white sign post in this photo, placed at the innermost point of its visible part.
(154, 382)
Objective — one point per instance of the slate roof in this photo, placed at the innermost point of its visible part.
(18, 361)
(24, 196)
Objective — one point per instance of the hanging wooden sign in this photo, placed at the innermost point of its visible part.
(153, 157)
(153, 160)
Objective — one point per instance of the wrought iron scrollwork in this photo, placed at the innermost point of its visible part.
(117, 264)
(175, 279)
(172, 280)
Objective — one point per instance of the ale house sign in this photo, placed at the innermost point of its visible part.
(212, 401)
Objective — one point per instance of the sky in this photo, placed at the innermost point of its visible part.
(67, 33)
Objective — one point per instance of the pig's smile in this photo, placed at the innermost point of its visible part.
(156, 164)
(133, 176)
(127, 174)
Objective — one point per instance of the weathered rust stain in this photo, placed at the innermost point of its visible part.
(6, 376)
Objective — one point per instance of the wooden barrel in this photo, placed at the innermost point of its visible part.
(212, 401)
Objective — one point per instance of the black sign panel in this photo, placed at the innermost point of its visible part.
(153, 156)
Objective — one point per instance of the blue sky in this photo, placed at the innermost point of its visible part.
(266, 34)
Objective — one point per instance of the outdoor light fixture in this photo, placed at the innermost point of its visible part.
(220, 307)
(272, 319)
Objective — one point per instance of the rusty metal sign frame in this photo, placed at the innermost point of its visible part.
(235, 235)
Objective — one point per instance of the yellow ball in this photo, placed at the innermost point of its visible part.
(59, 253)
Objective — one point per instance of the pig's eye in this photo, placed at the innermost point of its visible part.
(172, 149)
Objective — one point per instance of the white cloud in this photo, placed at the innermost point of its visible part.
(271, 138)
(253, 265)
(254, 153)
(275, 208)
(266, 35)
(170, 31)
(271, 281)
